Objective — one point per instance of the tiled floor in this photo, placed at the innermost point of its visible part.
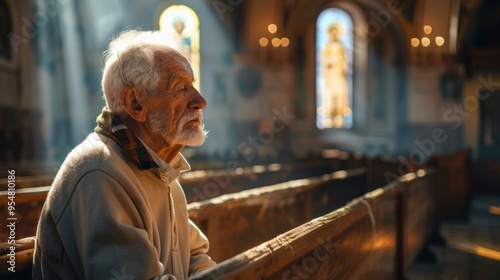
(473, 247)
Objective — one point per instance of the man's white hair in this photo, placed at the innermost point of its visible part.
(130, 61)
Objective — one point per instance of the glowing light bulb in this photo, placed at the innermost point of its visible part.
(426, 41)
(263, 42)
(415, 42)
(427, 29)
(276, 42)
(285, 42)
(272, 28)
(439, 41)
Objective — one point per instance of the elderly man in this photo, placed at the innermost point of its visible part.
(115, 209)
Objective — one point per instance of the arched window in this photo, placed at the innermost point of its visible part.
(334, 69)
(181, 24)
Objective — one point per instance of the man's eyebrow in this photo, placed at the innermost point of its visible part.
(179, 80)
(185, 75)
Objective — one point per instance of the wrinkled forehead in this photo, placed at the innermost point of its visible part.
(174, 68)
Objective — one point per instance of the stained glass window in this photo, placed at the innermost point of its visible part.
(334, 69)
(181, 24)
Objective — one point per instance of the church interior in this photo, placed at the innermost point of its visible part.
(348, 139)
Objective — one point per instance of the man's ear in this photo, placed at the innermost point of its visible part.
(130, 101)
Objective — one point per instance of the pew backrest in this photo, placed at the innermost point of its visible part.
(373, 237)
(236, 222)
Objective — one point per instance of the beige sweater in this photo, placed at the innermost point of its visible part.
(106, 219)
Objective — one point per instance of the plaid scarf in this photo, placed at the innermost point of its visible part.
(113, 127)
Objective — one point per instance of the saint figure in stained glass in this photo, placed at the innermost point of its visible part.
(181, 24)
(334, 69)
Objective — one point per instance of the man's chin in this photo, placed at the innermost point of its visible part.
(194, 138)
(195, 142)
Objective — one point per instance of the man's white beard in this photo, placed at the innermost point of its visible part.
(190, 137)
(194, 136)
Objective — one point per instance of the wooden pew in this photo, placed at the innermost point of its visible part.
(30, 181)
(384, 169)
(201, 185)
(239, 221)
(418, 210)
(452, 179)
(236, 222)
(342, 160)
(29, 202)
(31, 191)
(406, 254)
(22, 261)
(374, 237)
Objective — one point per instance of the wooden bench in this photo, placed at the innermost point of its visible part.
(201, 185)
(29, 203)
(236, 222)
(239, 221)
(17, 265)
(342, 160)
(31, 191)
(383, 169)
(452, 177)
(376, 236)
(315, 202)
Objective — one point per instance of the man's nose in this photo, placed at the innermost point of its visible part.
(197, 102)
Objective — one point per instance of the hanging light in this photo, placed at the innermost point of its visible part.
(439, 41)
(272, 28)
(275, 42)
(427, 29)
(263, 42)
(426, 41)
(285, 42)
(415, 42)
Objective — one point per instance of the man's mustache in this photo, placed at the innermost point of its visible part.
(194, 115)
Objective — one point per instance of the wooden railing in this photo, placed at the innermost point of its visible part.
(239, 221)
(29, 202)
(200, 185)
(17, 264)
(376, 236)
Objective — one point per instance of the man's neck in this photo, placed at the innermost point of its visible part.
(164, 150)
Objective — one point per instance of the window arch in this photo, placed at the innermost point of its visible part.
(334, 69)
(182, 27)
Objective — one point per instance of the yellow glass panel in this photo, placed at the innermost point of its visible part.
(334, 68)
(182, 25)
